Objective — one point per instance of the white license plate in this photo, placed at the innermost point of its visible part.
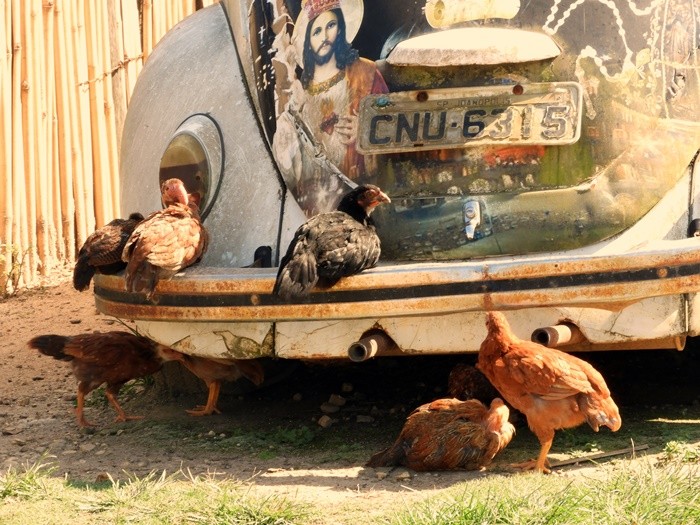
(537, 114)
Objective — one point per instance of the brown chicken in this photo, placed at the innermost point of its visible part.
(102, 251)
(214, 371)
(332, 245)
(552, 388)
(109, 357)
(166, 242)
(467, 382)
(449, 434)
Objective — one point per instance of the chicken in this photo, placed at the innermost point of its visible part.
(166, 242)
(108, 357)
(553, 389)
(449, 434)
(332, 245)
(214, 371)
(467, 382)
(102, 251)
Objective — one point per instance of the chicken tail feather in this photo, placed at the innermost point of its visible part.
(602, 412)
(141, 277)
(297, 277)
(82, 274)
(51, 345)
(394, 455)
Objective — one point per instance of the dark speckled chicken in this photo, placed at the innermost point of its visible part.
(102, 251)
(109, 357)
(332, 245)
(449, 434)
(166, 242)
(467, 382)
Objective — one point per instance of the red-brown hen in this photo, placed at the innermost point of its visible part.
(214, 371)
(553, 389)
(449, 434)
(166, 242)
(109, 357)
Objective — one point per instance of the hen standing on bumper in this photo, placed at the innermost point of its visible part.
(166, 242)
(332, 245)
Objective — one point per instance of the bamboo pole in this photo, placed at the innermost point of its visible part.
(117, 65)
(84, 214)
(29, 105)
(83, 113)
(46, 183)
(100, 152)
(6, 111)
(20, 232)
(36, 144)
(109, 177)
(188, 8)
(56, 203)
(147, 28)
(65, 119)
(132, 44)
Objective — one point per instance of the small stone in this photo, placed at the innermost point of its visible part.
(75, 321)
(87, 447)
(325, 421)
(211, 433)
(327, 408)
(102, 477)
(337, 400)
(381, 474)
(347, 387)
(297, 397)
(403, 476)
(365, 419)
(19, 442)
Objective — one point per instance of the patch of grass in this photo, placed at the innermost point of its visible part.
(154, 499)
(26, 483)
(681, 451)
(626, 494)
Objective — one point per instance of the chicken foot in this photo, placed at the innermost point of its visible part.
(210, 407)
(541, 464)
(121, 415)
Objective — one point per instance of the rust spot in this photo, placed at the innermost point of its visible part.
(662, 273)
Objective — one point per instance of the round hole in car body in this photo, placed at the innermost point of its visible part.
(195, 156)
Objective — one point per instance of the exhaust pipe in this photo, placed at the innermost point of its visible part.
(561, 334)
(370, 345)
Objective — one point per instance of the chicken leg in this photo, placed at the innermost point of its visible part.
(79, 409)
(540, 464)
(214, 388)
(111, 393)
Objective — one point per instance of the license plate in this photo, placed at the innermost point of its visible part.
(537, 114)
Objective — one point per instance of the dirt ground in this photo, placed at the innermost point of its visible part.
(259, 435)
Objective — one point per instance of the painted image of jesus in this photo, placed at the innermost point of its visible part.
(318, 129)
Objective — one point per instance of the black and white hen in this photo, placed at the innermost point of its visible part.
(332, 245)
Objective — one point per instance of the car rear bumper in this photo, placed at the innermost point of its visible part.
(244, 295)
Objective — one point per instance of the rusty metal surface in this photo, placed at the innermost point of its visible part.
(667, 268)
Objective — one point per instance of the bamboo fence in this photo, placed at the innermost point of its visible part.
(67, 71)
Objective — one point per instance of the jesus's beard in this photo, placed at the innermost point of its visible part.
(323, 60)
